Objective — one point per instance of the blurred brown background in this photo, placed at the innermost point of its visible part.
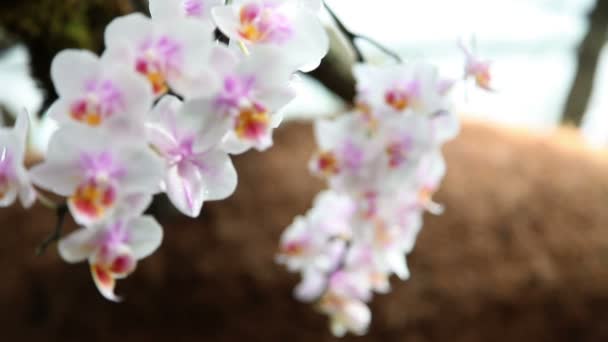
(520, 254)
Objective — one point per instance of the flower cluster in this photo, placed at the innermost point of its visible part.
(383, 163)
(166, 105)
(161, 110)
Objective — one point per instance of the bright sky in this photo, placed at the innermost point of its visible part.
(532, 44)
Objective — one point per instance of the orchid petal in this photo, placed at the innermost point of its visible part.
(105, 282)
(145, 236)
(78, 246)
(71, 68)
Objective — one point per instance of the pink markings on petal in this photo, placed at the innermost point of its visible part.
(481, 73)
(93, 198)
(193, 8)
(159, 59)
(188, 172)
(326, 164)
(98, 192)
(7, 174)
(369, 205)
(477, 69)
(252, 123)
(101, 164)
(294, 248)
(398, 151)
(351, 156)
(236, 91)
(401, 97)
(123, 265)
(264, 23)
(250, 12)
(101, 100)
(105, 282)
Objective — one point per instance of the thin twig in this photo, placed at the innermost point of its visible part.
(61, 213)
(352, 37)
(381, 47)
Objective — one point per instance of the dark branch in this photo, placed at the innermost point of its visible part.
(335, 71)
(61, 214)
(381, 47)
(352, 37)
(588, 59)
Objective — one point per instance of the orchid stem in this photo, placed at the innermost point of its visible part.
(45, 201)
(244, 48)
(61, 213)
(352, 37)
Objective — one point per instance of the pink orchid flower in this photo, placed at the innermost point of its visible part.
(14, 179)
(166, 52)
(97, 177)
(291, 25)
(197, 170)
(112, 249)
(96, 92)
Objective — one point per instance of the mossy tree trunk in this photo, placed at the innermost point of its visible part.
(48, 26)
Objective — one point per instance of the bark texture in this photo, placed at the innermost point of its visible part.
(46, 27)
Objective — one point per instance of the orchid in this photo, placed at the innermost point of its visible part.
(291, 25)
(174, 9)
(197, 170)
(14, 179)
(429, 176)
(400, 88)
(112, 249)
(161, 110)
(344, 303)
(316, 241)
(166, 105)
(94, 175)
(477, 69)
(248, 94)
(383, 159)
(167, 53)
(97, 92)
(345, 153)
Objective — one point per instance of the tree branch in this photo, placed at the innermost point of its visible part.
(61, 213)
(352, 37)
(335, 71)
(588, 57)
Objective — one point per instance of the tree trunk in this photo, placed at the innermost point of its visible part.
(588, 58)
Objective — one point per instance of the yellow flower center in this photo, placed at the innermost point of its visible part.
(93, 199)
(252, 122)
(158, 82)
(328, 163)
(250, 32)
